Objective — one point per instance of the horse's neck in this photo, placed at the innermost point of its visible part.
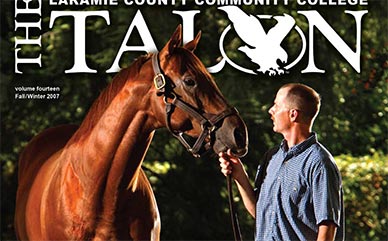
(114, 149)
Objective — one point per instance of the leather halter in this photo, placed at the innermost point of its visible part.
(165, 87)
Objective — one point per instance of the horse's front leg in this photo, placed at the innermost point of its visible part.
(144, 219)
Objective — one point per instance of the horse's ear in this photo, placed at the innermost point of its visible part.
(192, 45)
(174, 42)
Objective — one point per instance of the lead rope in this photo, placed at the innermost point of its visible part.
(233, 214)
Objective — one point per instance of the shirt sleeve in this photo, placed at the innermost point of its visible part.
(327, 192)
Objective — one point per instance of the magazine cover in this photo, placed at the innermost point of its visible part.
(117, 115)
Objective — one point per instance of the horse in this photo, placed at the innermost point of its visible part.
(86, 182)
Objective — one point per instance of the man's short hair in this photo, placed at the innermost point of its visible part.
(303, 98)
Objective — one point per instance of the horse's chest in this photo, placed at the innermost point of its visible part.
(63, 208)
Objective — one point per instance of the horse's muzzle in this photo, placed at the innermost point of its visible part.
(232, 135)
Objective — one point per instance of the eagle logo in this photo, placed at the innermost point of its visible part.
(262, 48)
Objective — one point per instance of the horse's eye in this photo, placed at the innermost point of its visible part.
(189, 82)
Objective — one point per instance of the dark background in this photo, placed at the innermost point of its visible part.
(191, 193)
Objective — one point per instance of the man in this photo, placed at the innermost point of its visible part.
(298, 188)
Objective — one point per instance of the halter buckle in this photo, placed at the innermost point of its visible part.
(159, 81)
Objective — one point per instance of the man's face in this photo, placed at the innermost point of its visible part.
(280, 112)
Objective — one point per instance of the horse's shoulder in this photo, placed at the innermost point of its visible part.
(41, 147)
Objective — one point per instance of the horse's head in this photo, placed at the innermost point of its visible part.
(194, 106)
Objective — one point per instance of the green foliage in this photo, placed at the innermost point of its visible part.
(191, 193)
(365, 183)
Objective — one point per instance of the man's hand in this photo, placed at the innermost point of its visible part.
(231, 165)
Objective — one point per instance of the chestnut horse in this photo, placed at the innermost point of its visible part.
(86, 182)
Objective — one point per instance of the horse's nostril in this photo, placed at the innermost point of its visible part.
(239, 137)
(240, 140)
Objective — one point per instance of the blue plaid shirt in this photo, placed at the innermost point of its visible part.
(302, 187)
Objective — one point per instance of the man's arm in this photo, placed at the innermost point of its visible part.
(231, 165)
(326, 231)
(247, 194)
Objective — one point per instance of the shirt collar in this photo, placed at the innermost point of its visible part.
(297, 149)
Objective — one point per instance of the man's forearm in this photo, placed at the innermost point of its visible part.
(247, 194)
(326, 231)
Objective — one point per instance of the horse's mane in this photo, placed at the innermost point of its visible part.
(189, 60)
(105, 98)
